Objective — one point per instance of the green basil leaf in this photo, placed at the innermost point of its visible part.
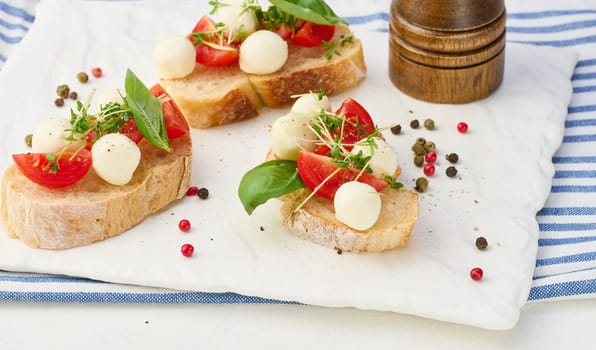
(147, 112)
(316, 11)
(271, 179)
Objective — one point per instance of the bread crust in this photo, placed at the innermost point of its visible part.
(93, 210)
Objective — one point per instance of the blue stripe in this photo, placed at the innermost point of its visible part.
(553, 28)
(10, 39)
(562, 273)
(573, 189)
(45, 279)
(552, 227)
(580, 122)
(587, 62)
(575, 174)
(581, 109)
(159, 298)
(16, 12)
(567, 211)
(573, 160)
(2, 58)
(11, 26)
(554, 290)
(580, 89)
(579, 138)
(546, 14)
(547, 242)
(379, 16)
(560, 43)
(567, 259)
(583, 76)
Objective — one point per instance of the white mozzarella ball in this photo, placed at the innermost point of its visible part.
(357, 205)
(384, 159)
(237, 20)
(263, 52)
(174, 57)
(290, 134)
(310, 105)
(115, 158)
(50, 136)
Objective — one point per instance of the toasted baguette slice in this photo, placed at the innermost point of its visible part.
(92, 209)
(308, 69)
(315, 221)
(215, 96)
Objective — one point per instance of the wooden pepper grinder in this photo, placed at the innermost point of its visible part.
(447, 51)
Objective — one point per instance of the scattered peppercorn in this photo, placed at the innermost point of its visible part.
(97, 72)
(451, 171)
(262, 228)
(203, 193)
(429, 124)
(63, 90)
(419, 161)
(462, 127)
(481, 243)
(184, 225)
(29, 140)
(59, 102)
(452, 158)
(421, 141)
(82, 77)
(418, 149)
(192, 191)
(430, 146)
(396, 129)
(430, 157)
(339, 251)
(414, 124)
(73, 95)
(476, 274)
(429, 169)
(187, 250)
(421, 184)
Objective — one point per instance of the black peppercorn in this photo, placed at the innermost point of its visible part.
(414, 124)
(452, 158)
(451, 171)
(481, 243)
(396, 129)
(59, 102)
(203, 193)
(73, 95)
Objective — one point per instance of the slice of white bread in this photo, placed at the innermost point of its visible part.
(92, 210)
(215, 96)
(315, 221)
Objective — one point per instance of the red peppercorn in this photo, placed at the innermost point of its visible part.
(430, 157)
(97, 72)
(184, 225)
(192, 191)
(476, 274)
(187, 249)
(429, 169)
(462, 127)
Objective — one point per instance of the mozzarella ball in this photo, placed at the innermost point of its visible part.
(384, 159)
(310, 105)
(238, 21)
(263, 52)
(290, 134)
(357, 205)
(50, 136)
(115, 158)
(174, 57)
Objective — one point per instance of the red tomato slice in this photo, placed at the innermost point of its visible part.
(36, 167)
(311, 34)
(130, 129)
(284, 31)
(358, 125)
(209, 56)
(314, 169)
(176, 124)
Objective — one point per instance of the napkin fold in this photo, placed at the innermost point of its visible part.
(536, 91)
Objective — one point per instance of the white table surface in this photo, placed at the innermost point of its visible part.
(553, 325)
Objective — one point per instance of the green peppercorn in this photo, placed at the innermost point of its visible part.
(203, 193)
(421, 184)
(430, 146)
(452, 158)
(451, 171)
(419, 161)
(396, 129)
(59, 102)
(429, 124)
(29, 140)
(481, 243)
(418, 149)
(73, 95)
(421, 141)
(63, 90)
(82, 77)
(414, 124)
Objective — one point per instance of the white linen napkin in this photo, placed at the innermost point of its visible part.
(505, 177)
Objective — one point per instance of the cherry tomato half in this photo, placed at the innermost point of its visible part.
(210, 56)
(358, 125)
(176, 124)
(314, 169)
(311, 34)
(69, 170)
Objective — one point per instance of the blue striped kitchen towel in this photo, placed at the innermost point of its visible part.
(566, 260)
